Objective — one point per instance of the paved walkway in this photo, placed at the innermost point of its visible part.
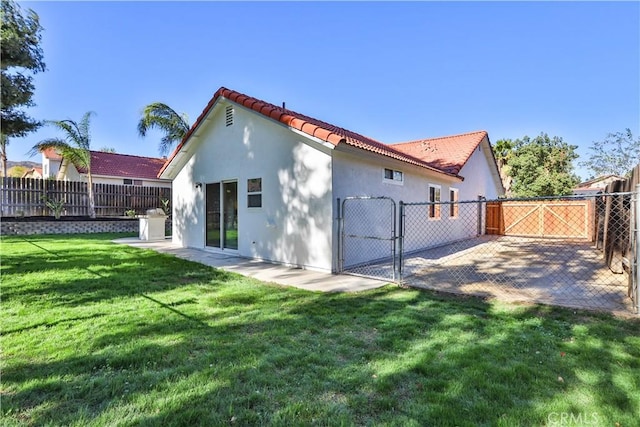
(267, 272)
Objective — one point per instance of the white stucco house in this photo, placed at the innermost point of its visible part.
(108, 168)
(35, 172)
(260, 181)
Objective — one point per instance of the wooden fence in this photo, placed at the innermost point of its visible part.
(616, 222)
(542, 218)
(25, 197)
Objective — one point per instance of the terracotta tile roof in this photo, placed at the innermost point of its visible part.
(124, 165)
(312, 127)
(33, 171)
(51, 154)
(449, 153)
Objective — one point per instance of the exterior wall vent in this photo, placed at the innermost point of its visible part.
(229, 115)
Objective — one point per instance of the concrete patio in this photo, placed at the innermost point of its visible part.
(264, 271)
(520, 269)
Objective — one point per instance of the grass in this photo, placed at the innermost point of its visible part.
(100, 334)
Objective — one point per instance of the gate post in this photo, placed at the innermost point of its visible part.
(480, 199)
(636, 252)
(400, 241)
(339, 237)
(394, 235)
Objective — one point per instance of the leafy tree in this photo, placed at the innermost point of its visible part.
(160, 116)
(617, 154)
(21, 56)
(74, 148)
(542, 166)
(17, 171)
(108, 150)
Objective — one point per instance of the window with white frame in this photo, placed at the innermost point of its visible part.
(454, 206)
(254, 193)
(393, 176)
(434, 199)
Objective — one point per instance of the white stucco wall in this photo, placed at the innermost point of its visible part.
(302, 180)
(360, 174)
(52, 167)
(480, 179)
(294, 224)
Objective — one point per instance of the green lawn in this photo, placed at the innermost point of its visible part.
(100, 334)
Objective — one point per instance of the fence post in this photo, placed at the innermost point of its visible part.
(480, 199)
(338, 237)
(636, 255)
(394, 236)
(400, 241)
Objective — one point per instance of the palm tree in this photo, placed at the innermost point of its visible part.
(503, 151)
(160, 116)
(74, 148)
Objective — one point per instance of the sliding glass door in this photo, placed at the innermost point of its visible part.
(213, 215)
(230, 207)
(222, 215)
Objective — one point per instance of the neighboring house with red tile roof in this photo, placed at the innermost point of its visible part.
(109, 168)
(269, 179)
(35, 172)
(596, 185)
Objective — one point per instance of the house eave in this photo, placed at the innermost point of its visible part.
(398, 164)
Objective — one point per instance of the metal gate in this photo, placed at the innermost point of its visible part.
(634, 261)
(368, 237)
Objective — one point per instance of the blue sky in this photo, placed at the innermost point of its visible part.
(391, 71)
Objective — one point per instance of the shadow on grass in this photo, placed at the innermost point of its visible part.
(241, 352)
(52, 323)
(71, 272)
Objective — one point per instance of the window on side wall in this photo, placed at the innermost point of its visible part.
(254, 193)
(393, 176)
(127, 181)
(454, 206)
(434, 199)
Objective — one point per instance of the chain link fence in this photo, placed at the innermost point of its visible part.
(548, 250)
(368, 237)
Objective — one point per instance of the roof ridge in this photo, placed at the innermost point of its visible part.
(128, 155)
(343, 133)
(440, 137)
(308, 125)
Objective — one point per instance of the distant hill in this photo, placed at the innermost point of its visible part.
(24, 163)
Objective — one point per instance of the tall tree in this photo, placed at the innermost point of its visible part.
(21, 57)
(164, 118)
(617, 154)
(542, 166)
(503, 150)
(74, 149)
